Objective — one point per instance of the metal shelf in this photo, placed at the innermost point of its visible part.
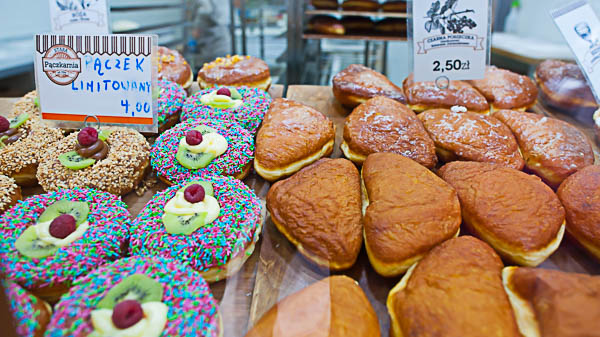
(356, 13)
(316, 36)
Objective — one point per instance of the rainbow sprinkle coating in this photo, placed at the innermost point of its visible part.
(170, 100)
(192, 309)
(22, 307)
(240, 151)
(249, 115)
(209, 246)
(101, 242)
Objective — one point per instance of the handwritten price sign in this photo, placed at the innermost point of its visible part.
(110, 77)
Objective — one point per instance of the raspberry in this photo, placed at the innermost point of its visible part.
(87, 136)
(62, 226)
(4, 124)
(127, 313)
(194, 193)
(193, 137)
(224, 92)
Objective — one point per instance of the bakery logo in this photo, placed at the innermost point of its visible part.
(61, 64)
(446, 25)
(76, 11)
(592, 56)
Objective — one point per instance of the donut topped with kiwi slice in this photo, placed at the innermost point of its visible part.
(198, 147)
(111, 159)
(210, 222)
(138, 296)
(50, 239)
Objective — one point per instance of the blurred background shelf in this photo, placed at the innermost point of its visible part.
(377, 15)
(317, 36)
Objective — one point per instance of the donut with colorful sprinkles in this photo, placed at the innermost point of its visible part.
(211, 223)
(30, 313)
(171, 97)
(50, 239)
(247, 106)
(138, 296)
(198, 147)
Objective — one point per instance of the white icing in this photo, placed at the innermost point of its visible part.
(211, 143)
(458, 108)
(42, 229)
(179, 206)
(151, 325)
(208, 99)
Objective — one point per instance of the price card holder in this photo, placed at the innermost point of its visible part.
(449, 39)
(110, 77)
(581, 28)
(79, 16)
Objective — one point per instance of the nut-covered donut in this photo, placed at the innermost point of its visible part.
(118, 167)
(237, 71)
(10, 193)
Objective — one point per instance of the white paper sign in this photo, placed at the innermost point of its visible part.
(450, 39)
(581, 28)
(79, 16)
(110, 77)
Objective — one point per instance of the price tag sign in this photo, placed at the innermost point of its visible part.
(450, 39)
(581, 28)
(111, 78)
(79, 16)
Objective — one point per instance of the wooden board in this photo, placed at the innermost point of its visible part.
(235, 293)
(283, 271)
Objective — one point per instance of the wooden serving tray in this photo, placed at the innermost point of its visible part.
(283, 271)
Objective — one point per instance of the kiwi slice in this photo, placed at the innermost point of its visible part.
(191, 160)
(2, 141)
(104, 134)
(208, 188)
(19, 120)
(205, 129)
(72, 160)
(185, 225)
(78, 209)
(29, 245)
(135, 287)
(36, 101)
(235, 94)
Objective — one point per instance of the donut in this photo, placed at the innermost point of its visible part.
(552, 149)
(30, 314)
(29, 104)
(357, 24)
(422, 96)
(472, 137)
(391, 27)
(10, 193)
(236, 161)
(564, 87)
(174, 301)
(360, 5)
(356, 84)
(118, 167)
(407, 211)
(455, 290)
(248, 111)
(217, 249)
(580, 196)
(235, 71)
(326, 24)
(324, 4)
(334, 306)
(553, 303)
(24, 140)
(385, 125)
(394, 6)
(506, 90)
(292, 136)
(514, 212)
(325, 223)
(170, 102)
(48, 270)
(173, 67)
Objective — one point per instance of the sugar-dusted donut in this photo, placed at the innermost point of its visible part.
(120, 161)
(174, 301)
(172, 145)
(216, 249)
(223, 103)
(34, 256)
